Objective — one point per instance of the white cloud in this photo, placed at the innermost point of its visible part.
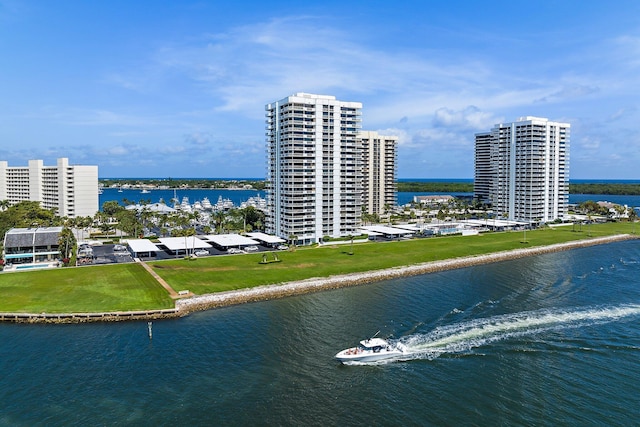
(468, 119)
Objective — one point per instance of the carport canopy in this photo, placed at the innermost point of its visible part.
(230, 240)
(176, 244)
(142, 245)
(387, 231)
(266, 238)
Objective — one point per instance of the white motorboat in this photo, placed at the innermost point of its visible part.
(206, 204)
(371, 350)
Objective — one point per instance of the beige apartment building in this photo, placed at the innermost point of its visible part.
(70, 189)
(379, 171)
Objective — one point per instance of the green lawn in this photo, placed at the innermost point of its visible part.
(118, 287)
(221, 273)
(124, 287)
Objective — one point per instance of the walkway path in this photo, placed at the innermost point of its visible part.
(172, 293)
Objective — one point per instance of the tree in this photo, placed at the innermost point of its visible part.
(104, 222)
(27, 214)
(66, 242)
(111, 208)
(218, 219)
(253, 218)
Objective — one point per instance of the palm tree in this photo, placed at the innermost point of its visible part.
(66, 242)
(218, 219)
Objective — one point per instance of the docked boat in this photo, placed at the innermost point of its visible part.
(185, 206)
(206, 204)
(371, 350)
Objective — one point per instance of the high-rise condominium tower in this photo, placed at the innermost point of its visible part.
(379, 170)
(314, 176)
(71, 189)
(522, 168)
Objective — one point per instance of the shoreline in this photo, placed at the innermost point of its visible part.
(286, 289)
(185, 306)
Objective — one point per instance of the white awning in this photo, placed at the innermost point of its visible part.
(228, 240)
(267, 238)
(183, 243)
(142, 245)
(388, 231)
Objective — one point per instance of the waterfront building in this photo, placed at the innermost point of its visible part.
(31, 248)
(314, 172)
(379, 171)
(522, 168)
(436, 200)
(70, 189)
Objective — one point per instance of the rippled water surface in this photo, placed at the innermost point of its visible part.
(545, 340)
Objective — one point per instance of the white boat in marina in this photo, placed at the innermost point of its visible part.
(145, 191)
(206, 204)
(223, 204)
(371, 350)
(185, 205)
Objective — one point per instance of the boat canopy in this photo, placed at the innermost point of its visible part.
(374, 342)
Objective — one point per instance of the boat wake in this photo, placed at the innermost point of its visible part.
(462, 337)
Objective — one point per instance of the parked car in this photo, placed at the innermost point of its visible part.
(234, 251)
(201, 252)
(251, 249)
(282, 247)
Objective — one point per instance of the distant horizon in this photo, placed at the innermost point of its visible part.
(584, 180)
(181, 87)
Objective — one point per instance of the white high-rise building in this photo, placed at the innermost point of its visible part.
(314, 177)
(379, 170)
(523, 169)
(70, 189)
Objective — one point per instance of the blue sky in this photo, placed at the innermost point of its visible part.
(178, 88)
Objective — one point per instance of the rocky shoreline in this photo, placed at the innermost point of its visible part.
(262, 293)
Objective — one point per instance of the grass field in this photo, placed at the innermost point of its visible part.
(215, 274)
(118, 287)
(124, 287)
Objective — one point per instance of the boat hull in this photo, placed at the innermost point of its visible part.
(349, 355)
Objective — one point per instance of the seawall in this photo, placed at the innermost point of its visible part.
(262, 293)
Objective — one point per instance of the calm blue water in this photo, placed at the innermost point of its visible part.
(546, 340)
(154, 196)
(406, 197)
(239, 196)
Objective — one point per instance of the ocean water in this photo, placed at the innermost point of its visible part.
(192, 195)
(545, 340)
(239, 196)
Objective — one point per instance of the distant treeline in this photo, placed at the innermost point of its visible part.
(184, 182)
(617, 189)
(435, 187)
(404, 186)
